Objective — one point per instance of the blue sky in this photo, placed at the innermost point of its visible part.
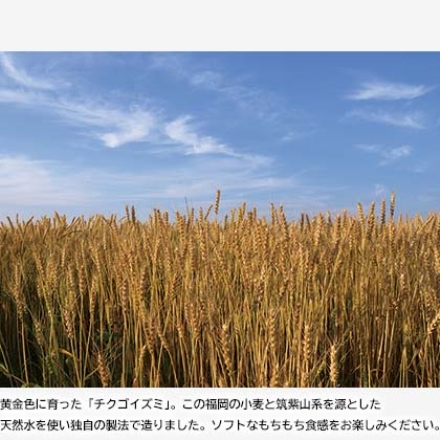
(84, 133)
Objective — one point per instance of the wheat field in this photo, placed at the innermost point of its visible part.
(203, 301)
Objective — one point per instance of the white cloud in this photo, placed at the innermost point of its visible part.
(121, 127)
(244, 96)
(295, 134)
(370, 148)
(117, 126)
(208, 79)
(197, 177)
(22, 97)
(180, 131)
(413, 120)
(270, 108)
(388, 91)
(174, 64)
(388, 155)
(34, 187)
(184, 134)
(207, 163)
(21, 77)
(27, 182)
(397, 153)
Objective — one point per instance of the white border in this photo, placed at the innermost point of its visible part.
(219, 25)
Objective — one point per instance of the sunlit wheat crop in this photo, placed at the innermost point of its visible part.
(238, 301)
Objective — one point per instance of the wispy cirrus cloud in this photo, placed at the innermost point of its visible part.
(37, 185)
(197, 177)
(33, 183)
(388, 155)
(180, 131)
(414, 120)
(268, 107)
(118, 127)
(185, 134)
(25, 98)
(112, 125)
(29, 182)
(115, 126)
(388, 91)
(244, 96)
(262, 103)
(22, 78)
